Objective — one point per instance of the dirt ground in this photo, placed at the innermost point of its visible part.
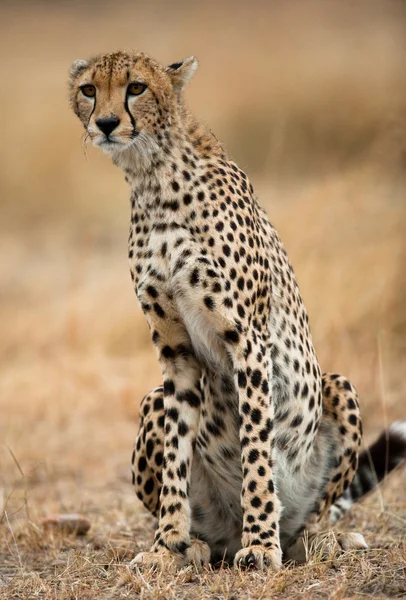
(312, 103)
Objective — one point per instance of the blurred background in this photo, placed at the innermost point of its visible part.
(309, 98)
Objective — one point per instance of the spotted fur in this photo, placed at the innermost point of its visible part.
(246, 445)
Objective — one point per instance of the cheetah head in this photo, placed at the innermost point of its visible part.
(128, 101)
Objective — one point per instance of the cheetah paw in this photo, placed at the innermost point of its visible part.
(163, 560)
(197, 554)
(259, 557)
(352, 541)
(324, 546)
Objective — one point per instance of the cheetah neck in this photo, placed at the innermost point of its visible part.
(163, 176)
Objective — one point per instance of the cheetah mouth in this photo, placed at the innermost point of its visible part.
(109, 142)
(109, 145)
(112, 142)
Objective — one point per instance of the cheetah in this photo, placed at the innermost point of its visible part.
(246, 449)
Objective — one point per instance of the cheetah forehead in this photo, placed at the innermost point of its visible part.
(120, 67)
(116, 66)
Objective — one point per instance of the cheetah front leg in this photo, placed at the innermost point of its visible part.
(172, 547)
(225, 332)
(261, 508)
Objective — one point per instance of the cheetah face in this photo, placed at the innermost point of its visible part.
(128, 101)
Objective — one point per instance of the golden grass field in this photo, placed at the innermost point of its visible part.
(310, 98)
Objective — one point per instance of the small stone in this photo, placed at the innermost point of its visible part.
(58, 562)
(67, 523)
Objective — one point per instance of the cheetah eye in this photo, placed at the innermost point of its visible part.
(135, 89)
(88, 90)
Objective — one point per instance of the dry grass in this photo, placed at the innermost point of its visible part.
(311, 99)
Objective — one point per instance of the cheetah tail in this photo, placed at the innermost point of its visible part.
(386, 453)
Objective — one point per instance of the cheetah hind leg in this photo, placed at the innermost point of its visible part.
(341, 412)
(147, 479)
(148, 451)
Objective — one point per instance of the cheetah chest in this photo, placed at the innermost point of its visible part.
(168, 288)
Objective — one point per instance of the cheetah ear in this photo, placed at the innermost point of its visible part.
(77, 68)
(181, 72)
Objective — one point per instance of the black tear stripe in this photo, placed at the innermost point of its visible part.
(93, 109)
(135, 132)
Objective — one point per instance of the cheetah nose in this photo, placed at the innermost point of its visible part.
(108, 124)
